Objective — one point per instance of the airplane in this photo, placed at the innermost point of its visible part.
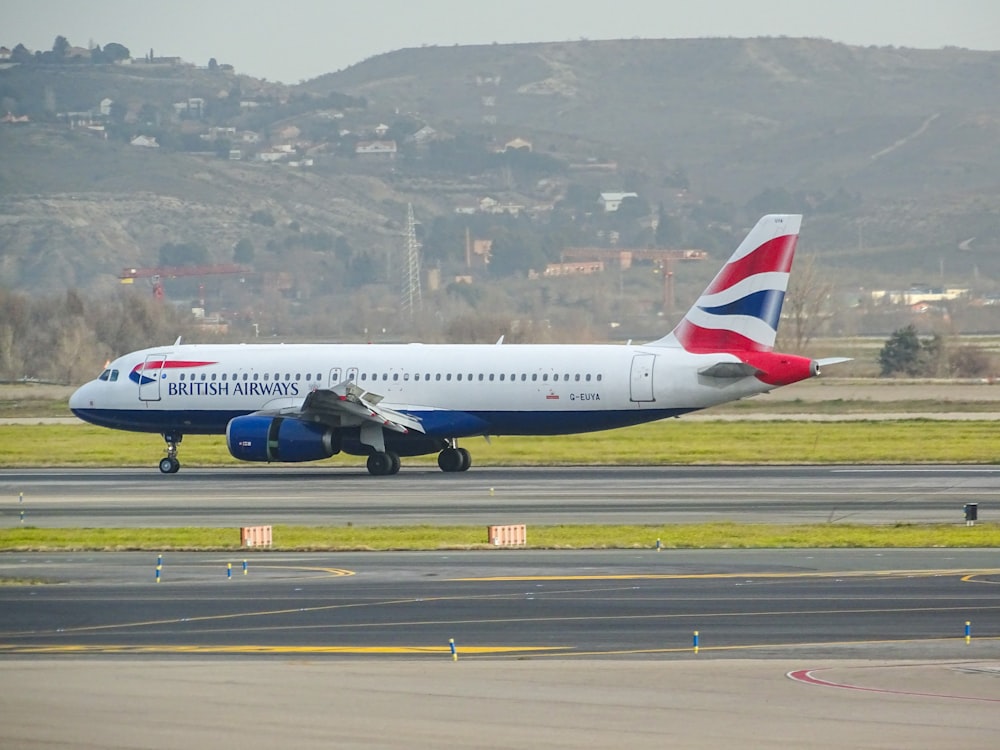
(307, 402)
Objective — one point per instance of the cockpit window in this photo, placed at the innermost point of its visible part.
(114, 376)
(106, 375)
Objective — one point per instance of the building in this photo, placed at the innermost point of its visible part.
(612, 201)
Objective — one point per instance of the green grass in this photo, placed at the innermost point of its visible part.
(348, 538)
(666, 442)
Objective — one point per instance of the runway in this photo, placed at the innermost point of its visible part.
(553, 649)
(639, 495)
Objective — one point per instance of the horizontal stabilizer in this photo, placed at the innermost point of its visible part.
(833, 361)
(730, 370)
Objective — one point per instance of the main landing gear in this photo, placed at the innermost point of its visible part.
(454, 458)
(383, 463)
(170, 464)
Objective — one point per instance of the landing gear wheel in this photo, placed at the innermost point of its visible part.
(451, 460)
(169, 465)
(381, 464)
(466, 459)
(394, 457)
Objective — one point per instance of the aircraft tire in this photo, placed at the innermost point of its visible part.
(379, 464)
(395, 462)
(450, 460)
(466, 459)
(169, 465)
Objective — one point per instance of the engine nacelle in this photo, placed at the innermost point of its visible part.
(259, 438)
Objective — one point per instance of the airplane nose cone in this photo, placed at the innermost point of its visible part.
(80, 399)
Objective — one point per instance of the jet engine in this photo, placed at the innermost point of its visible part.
(258, 438)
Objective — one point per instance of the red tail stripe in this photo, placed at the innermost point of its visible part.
(697, 339)
(774, 255)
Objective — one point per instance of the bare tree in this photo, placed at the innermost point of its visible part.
(807, 304)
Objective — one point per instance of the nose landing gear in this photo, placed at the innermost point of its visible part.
(170, 464)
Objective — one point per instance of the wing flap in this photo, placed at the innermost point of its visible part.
(348, 403)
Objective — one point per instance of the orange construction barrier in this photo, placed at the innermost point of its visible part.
(255, 536)
(511, 535)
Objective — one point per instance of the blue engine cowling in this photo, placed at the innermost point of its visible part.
(259, 438)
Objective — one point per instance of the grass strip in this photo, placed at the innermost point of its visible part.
(673, 441)
(423, 538)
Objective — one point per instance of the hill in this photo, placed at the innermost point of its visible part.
(889, 152)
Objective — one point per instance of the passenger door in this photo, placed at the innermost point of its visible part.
(641, 379)
(150, 376)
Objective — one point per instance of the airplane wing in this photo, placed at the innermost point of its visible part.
(348, 404)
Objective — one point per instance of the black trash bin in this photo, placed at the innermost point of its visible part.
(971, 513)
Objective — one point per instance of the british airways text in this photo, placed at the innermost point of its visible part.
(196, 388)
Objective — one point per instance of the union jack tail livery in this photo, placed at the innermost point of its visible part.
(739, 310)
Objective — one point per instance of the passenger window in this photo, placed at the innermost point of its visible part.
(267, 376)
(245, 377)
(545, 378)
(182, 376)
(577, 378)
(224, 376)
(588, 377)
(534, 377)
(599, 377)
(448, 376)
(459, 376)
(204, 377)
(555, 377)
(523, 377)
(214, 376)
(309, 376)
(385, 376)
(480, 377)
(298, 376)
(438, 376)
(395, 376)
(256, 376)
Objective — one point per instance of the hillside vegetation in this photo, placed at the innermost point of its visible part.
(889, 152)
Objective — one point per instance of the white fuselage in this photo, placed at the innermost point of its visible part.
(499, 389)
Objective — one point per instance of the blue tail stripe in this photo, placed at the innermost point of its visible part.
(765, 304)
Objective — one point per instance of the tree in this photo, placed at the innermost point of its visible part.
(115, 52)
(805, 304)
(20, 54)
(244, 251)
(902, 353)
(668, 229)
(60, 47)
(183, 254)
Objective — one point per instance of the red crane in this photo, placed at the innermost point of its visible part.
(129, 275)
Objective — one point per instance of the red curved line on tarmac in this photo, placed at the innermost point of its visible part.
(806, 676)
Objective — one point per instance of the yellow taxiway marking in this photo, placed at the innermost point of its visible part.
(966, 573)
(252, 649)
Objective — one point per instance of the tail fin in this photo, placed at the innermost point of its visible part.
(739, 310)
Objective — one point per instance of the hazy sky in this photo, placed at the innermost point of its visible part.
(292, 40)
